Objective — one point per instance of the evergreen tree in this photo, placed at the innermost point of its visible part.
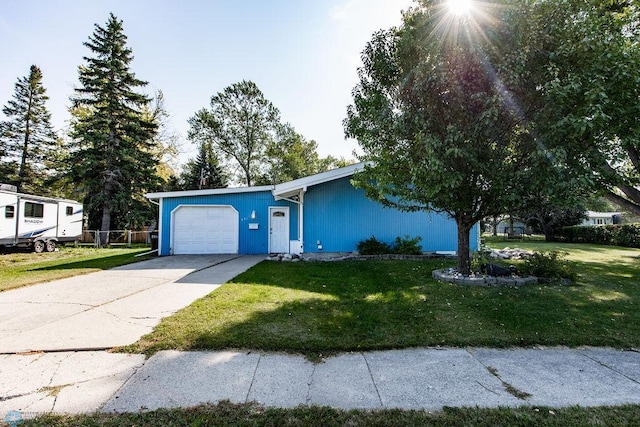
(113, 158)
(205, 171)
(27, 137)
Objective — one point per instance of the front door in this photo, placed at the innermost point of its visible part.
(279, 230)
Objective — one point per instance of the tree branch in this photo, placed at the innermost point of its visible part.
(622, 202)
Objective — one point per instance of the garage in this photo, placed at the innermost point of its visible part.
(205, 229)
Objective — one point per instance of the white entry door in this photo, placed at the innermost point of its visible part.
(279, 230)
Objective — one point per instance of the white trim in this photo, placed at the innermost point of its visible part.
(291, 188)
(272, 208)
(160, 233)
(212, 191)
(173, 222)
(301, 220)
(280, 191)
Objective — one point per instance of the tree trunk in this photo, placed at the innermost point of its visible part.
(464, 258)
(105, 225)
(548, 231)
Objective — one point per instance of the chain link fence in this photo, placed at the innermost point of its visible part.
(112, 238)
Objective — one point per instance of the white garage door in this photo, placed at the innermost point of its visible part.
(205, 229)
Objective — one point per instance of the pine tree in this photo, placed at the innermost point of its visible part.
(113, 156)
(203, 172)
(27, 137)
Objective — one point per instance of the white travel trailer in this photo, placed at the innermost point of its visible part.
(40, 223)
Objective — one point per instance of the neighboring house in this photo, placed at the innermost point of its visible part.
(321, 213)
(602, 218)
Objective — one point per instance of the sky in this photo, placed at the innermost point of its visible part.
(302, 54)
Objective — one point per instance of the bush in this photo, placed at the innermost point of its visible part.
(407, 246)
(373, 246)
(402, 246)
(479, 258)
(549, 265)
(627, 235)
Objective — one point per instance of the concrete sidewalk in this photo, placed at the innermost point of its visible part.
(409, 379)
(112, 307)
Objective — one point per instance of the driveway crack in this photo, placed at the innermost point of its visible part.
(253, 377)
(509, 388)
(124, 384)
(56, 303)
(55, 390)
(310, 384)
(375, 386)
(610, 367)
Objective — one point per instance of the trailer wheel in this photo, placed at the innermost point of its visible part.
(50, 246)
(38, 246)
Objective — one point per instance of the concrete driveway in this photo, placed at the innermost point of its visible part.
(109, 308)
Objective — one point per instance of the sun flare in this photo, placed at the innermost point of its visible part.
(460, 7)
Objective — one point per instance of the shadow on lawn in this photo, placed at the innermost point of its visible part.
(100, 262)
(375, 305)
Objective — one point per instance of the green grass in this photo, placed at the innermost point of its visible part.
(24, 268)
(319, 309)
(228, 414)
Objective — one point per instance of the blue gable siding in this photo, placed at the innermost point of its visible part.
(250, 241)
(339, 216)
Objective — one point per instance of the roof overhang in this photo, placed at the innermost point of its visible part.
(293, 188)
(284, 191)
(209, 192)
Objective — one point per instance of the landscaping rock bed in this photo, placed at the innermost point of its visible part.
(508, 253)
(451, 275)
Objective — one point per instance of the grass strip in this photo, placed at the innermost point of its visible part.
(229, 414)
(26, 268)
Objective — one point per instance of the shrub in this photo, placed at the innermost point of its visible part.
(627, 235)
(549, 265)
(407, 246)
(479, 258)
(373, 246)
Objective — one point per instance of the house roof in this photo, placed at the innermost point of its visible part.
(292, 188)
(280, 191)
(592, 214)
(208, 192)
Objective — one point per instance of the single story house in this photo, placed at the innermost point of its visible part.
(321, 213)
(602, 218)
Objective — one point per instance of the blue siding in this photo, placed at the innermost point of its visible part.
(339, 216)
(250, 241)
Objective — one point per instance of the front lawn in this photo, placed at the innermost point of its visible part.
(26, 268)
(318, 308)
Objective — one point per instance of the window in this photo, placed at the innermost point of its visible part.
(9, 211)
(33, 210)
(69, 210)
(278, 214)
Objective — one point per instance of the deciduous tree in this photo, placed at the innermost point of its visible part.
(434, 116)
(291, 156)
(244, 129)
(591, 87)
(240, 124)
